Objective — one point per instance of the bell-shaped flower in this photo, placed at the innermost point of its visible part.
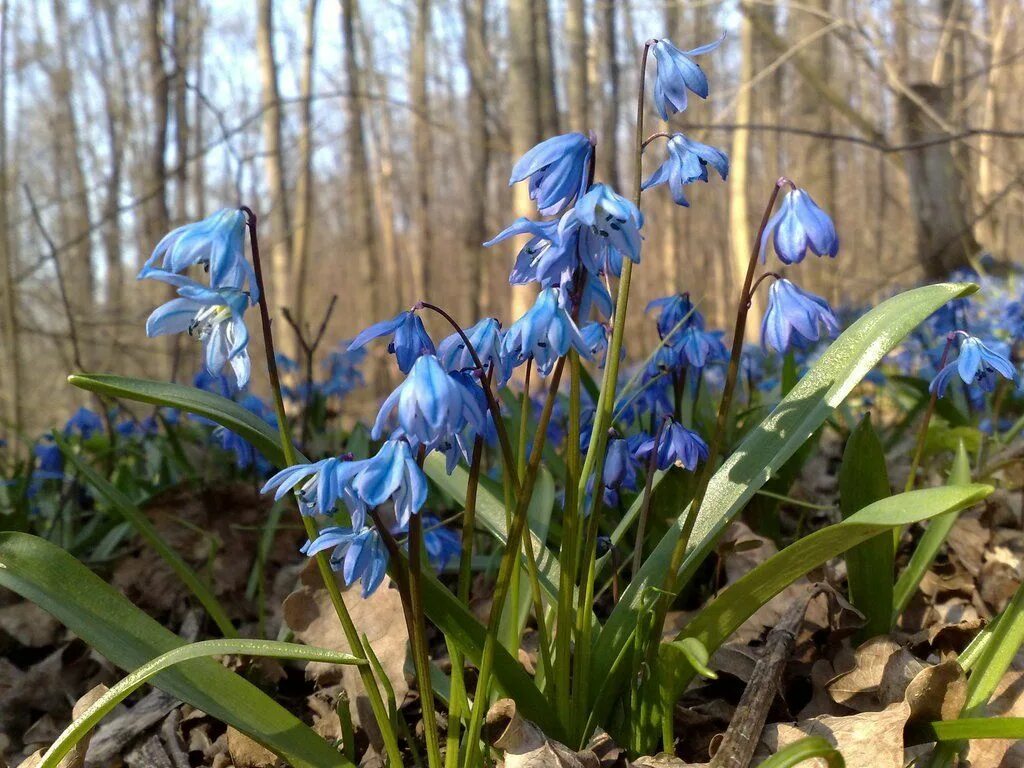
(794, 315)
(409, 338)
(359, 554)
(85, 422)
(545, 333)
(595, 336)
(676, 445)
(558, 170)
(547, 257)
(392, 475)
(441, 543)
(610, 229)
(620, 470)
(799, 224)
(485, 337)
(213, 315)
(677, 74)
(675, 313)
(594, 298)
(323, 484)
(216, 242)
(686, 163)
(695, 348)
(432, 406)
(343, 374)
(978, 364)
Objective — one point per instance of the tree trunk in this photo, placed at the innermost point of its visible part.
(478, 140)
(277, 205)
(550, 119)
(182, 51)
(740, 234)
(576, 85)
(303, 220)
(608, 149)
(422, 231)
(943, 232)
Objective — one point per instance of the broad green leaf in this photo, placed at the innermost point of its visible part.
(52, 579)
(931, 541)
(726, 613)
(974, 728)
(805, 749)
(443, 608)
(863, 480)
(125, 687)
(152, 537)
(767, 447)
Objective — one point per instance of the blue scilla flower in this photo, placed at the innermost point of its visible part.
(246, 456)
(794, 315)
(217, 383)
(549, 257)
(485, 337)
(977, 364)
(620, 470)
(696, 348)
(84, 422)
(359, 554)
(594, 298)
(409, 338)
(216, 242)
(677, 446)
(442, 544)
(213, 315)
(686, 163)
(799, 224)
(343, 374)
(610, 229)
(675, 313)
(49, 460)
(324, 483)
(432, 405)
(595, 336)
(677, 74)
(545, 333)
(558, 169)
(392, 475)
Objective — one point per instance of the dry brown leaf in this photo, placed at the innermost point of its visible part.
(525, 746)
(665, 760)
(937, 693)
(1007, 701)
(29, 625)
(872, 739)
(246, 753)
(858, 685)
(1000, 577)
(309, 613)
(821, 703)
(967, 541)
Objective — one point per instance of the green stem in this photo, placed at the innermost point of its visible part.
(322, 562)
(509, 560)
(645, 506)
(421, 653)
(922, 435)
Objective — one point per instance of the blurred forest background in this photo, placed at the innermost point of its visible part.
(375, 138)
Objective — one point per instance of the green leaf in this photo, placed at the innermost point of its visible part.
(805, 749)
(722, 616)
(93, 610)
(697, 655)
(974, 728)
(152, 537)
(125, 687)
(443, 608)
(863, 480)
(766, 448)
(931, 542)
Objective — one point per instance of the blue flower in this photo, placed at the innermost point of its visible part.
(217, 383)
(343, 374)
(976, 364)
(326, 481)
(558, 170)
(358, 553)
(214, 316)
(595, 297)
(794, 315)
(677, 74)
(595, 336)
(687, 162)
(485, 337)
(50, 460)
(695, 347)
(620, 470)
(549, 257)
(610, 229)
(432, 406)
(246, 456)
(675, 311)
(84, 422)
(216, 242)
(442, 544)
(677, 445)
(391, 475)
(546, 332)
(410, 338)
(800, 224)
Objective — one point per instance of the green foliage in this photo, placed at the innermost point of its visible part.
(805, 749)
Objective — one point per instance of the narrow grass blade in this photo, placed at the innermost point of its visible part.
(805, 749)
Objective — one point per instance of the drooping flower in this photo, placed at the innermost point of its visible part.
(620, 470)
(545, 333)
(216, 242)
(676, 445)
(409, 338)
(50, 460)
(548, 257)
(326, 482)
(558, 169)
(695, 347)
(977, 364)
(432, 406)
(213, 315)
(85, 422)
(610, 229)
(485, 337)
(794, 315)
(675, 313)
(594, 298)
(391, 475)
(799, 224)
(686, 163)
(677, 74)
(595, 336)
(441, 543)
(359, 554)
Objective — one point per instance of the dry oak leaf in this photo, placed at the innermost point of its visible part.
(76, 757)
(1007, 701)
(524, 745)
(858, 686)
(246, 753)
